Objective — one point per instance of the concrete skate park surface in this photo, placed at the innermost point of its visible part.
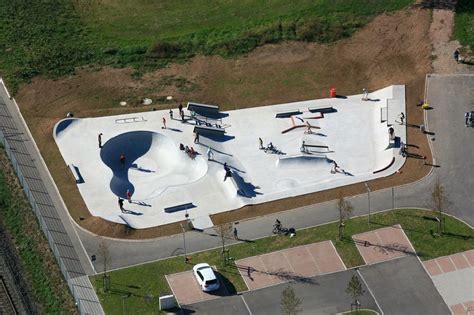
(352, 132)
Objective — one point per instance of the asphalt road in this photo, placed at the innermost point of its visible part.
(451, 96)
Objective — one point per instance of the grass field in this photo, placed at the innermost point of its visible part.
(464, 22)
(150, 278)
(39, 267)
(51, 38)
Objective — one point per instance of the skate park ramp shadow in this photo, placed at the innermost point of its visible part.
(63, 125)
(153, 162)
(302, 161)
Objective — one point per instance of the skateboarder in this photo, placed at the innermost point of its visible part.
(164, 123)
(402, 118)
(129, 196)
(210, 154)
(100, 140)
(365, 94)
(228, 173)
(120, 203)
(122, 161)
(196, 137)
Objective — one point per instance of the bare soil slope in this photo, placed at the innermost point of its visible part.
(393, 49)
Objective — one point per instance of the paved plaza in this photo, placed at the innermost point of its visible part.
(297, 263)
(453, 276)
(383, 244)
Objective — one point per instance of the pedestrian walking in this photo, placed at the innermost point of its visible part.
(120, 203)
(180, 108)
(466, 119)
(164, 123)
(236, 236)
(260, 143)
(99, 138)
(122, 161)
(196, 137)
(456, 55)
(182, 115)
(210, 154)
(171, 114)
(129, 196)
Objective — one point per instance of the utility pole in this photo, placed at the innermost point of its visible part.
(368, 198)
(184, 242)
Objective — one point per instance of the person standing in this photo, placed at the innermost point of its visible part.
(99, 138)
(456, 55)
(171, 114)
(236, 236)
(164, 123)
(180, 108)
(120, 203)
(228, 173)
(181, 112)
(129, 196)
(365, 94)
(196, 137)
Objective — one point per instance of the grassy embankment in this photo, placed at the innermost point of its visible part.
(150, 278)
(464, 23)
(51, 38)
(39, 267)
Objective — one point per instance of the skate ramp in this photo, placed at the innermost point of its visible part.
(153, 162)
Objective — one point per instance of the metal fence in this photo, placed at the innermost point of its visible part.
(47, 214)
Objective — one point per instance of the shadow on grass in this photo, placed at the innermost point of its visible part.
(282, 275)
(429, 232)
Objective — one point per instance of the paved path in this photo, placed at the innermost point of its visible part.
(450, 97)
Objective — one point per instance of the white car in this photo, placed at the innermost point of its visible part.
(206, 277)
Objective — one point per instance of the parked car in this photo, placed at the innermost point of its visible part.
(206, 277)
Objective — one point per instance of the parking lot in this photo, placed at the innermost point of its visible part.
(186, 289)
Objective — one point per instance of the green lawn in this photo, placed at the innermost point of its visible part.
(53, 37)
(149, 278)
(464, 23)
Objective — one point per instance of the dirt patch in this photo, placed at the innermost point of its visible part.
(393, 49)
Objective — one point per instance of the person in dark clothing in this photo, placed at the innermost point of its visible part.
(120, 203)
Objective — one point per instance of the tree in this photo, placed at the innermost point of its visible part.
(345, 211)
(224, 231)
(290, 303)
(354, 289)
(439, 202)
(104, 253)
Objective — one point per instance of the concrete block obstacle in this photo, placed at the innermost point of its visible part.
(129, 120)
(208, 131)
(322, 109)
(76, 174)
(203, 109)
(181, 207)
(287, 114)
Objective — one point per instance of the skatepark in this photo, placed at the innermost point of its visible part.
(315, 145)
